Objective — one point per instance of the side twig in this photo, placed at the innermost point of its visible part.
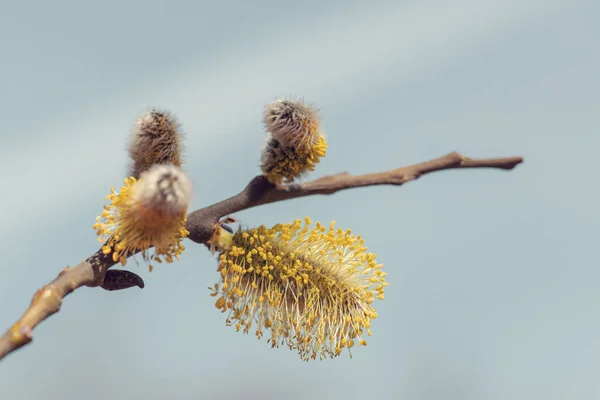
(94, 271)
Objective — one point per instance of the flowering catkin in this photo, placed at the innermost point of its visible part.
(311, 289)
(294, 142)
(149, 212)
(156, 139)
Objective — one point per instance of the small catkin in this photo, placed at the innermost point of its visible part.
(156, 139)
(147, 213)
(281, 164)
(293, 123)
(295, 142)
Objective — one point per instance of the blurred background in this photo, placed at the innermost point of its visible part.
(493, 275)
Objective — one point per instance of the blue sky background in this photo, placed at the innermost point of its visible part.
(493, 275)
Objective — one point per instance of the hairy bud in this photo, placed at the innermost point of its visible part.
(156, 139)
(293, 123)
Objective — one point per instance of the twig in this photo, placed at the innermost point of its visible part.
(201, 224)
(260, 191)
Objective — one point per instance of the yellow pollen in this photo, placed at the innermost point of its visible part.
(126, 227)
(284, 164)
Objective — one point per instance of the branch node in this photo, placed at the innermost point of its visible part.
(20, 334)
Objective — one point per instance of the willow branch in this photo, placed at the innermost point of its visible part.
(260, 191)
(94, 271)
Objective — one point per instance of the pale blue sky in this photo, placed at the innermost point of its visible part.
(493, 276)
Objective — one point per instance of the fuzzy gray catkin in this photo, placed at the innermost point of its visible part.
(156, 139)
(292, 123)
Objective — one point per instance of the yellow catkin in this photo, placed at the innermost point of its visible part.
(311, 289)
(282, 164)
(295, 142)
(128, 224)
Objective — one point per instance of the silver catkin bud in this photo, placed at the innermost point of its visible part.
(156, 139)
(293, 123)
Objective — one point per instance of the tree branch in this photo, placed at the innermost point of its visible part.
(48, 299)
(94, 271)
(260, 191)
